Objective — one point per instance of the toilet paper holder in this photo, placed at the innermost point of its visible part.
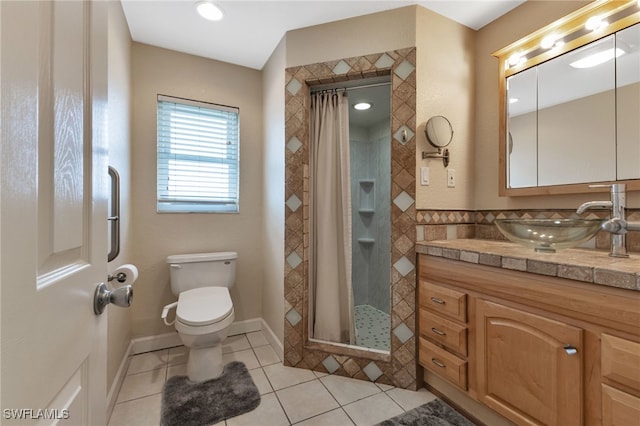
(120, 277)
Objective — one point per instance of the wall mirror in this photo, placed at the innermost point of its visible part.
(569, 94)
(439, 131)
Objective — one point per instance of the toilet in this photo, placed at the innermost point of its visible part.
(204, 310)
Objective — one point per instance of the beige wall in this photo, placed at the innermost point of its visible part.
(374, 33)
(159, 71)
(445, 86)
(119, 60)
(273, 190)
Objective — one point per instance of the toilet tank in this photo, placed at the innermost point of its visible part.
(189, 271)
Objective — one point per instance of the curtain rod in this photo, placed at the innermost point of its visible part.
(346, 89)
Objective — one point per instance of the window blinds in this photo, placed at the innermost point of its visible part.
(198, 156)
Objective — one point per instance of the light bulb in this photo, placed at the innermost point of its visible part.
(361, 106)
(209, 11)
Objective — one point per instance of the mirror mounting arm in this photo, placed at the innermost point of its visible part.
(444, 154)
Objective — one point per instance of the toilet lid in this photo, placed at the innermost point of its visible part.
(204, 306)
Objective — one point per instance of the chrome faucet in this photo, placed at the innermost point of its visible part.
(617, 225)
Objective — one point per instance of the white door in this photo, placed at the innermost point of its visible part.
(53, 198)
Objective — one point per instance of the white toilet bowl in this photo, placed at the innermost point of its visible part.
(204, 310)
(203, 317)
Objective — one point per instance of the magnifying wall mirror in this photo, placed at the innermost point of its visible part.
(439, 133)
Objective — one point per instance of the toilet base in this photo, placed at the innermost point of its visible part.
(205, 363)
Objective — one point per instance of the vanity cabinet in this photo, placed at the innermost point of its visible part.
(443, 332)
(529, 367)
(539, 350)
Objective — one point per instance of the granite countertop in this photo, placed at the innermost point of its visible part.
(587, 265)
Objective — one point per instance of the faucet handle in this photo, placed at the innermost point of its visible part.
(615, 187)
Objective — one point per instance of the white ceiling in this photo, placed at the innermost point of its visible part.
(251, 30)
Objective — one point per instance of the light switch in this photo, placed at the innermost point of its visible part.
(424, 176)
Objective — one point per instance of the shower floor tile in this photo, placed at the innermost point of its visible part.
(372, 328)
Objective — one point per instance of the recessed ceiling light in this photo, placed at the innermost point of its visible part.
(361, 106)
(209, 11)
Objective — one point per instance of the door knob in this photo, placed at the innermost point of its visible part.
(122, 297)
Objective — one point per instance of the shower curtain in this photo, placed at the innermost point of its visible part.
(331, 292)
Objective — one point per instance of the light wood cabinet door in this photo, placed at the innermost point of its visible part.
(621, 361)
(526, 365)
(619, 408)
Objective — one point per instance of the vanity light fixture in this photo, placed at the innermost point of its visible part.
(516, 59)
(552, 41)
(209, 11)
(595, 23)
(548, 41)
(362, 106)
(597, 58)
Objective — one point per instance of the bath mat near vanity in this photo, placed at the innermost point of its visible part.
(186, 403)
(434, 413)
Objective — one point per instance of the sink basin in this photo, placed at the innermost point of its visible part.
(549, 235)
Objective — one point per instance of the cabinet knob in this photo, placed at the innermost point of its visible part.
(570, 350)
(438, 301)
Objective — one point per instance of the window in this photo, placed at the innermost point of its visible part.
(198, 156)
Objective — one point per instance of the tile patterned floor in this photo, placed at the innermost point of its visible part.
(373, 328)
(289, 395)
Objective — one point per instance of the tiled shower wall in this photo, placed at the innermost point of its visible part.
(452, 224)
(399, 367)
(371, 241)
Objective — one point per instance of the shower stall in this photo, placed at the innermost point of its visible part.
(370, 149)
(369, 192)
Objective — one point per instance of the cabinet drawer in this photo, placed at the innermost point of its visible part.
(444, 331)
(446, 301)
(443, 363)
(619, 408)
(621, 361)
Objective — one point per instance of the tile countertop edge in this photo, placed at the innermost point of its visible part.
(586, 265)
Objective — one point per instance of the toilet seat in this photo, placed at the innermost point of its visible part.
(204, 306)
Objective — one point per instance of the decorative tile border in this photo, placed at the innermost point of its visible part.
(433, 225)
(399, 367)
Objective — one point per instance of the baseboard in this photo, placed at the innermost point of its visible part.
(246, 326)
(169, 340)
(273, 340)
(155, 343)
(112, 396)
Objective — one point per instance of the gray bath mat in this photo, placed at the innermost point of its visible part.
(187, 403)
(434, 413)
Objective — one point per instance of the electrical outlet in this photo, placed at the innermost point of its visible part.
(424, 176)
(451, 178)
